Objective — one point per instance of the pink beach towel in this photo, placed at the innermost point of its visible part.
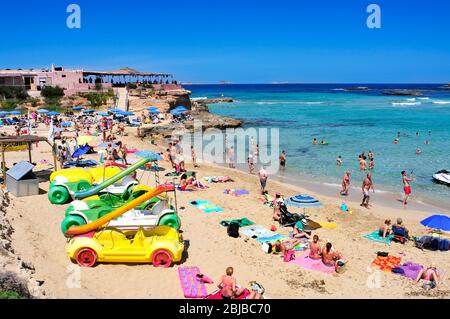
(311, 264)
(216, 295)
(192, 287)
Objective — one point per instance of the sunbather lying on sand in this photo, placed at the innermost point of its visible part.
(282, 247)
(185, 186)
(430, 277)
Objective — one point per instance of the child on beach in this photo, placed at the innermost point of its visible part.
(314, 248)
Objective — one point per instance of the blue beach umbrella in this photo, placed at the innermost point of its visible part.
(80, 151)
(52, 113)
(175, 112)
(103, 113)
(77, 108)
(126, 113)
(15, 112)
(149, 154)
(181, 108)
(303, 201)
(441, 222)
(114, 110)
(88, 111)
(3, 113)
(43, 111)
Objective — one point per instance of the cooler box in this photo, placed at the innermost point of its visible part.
(21, 181)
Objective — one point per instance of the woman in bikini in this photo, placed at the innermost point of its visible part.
(314, 248)
(332, 258)
(227, 285)
(430, 277)
(385, 229)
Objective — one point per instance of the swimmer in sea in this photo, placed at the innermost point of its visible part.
(339, 160)
(314, 141)
(418, 151)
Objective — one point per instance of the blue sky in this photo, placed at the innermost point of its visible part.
(241, 41)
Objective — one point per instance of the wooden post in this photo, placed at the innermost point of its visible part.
(54, 155)
(29, 151)
(3, 165)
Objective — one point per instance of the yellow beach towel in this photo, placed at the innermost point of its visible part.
(328, 225)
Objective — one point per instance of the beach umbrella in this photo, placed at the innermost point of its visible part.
(103, 113)
(15, 112)
(66, 124)
(52, 113)
(126, 113)
(303, 201)
(77, 108)
(43, 111)
(181, 108)
(149, 154)
(441, 222)
(88, 111)
(80, 151)
(3, 113)
(114, 110)
(84, 139)
(175, 112)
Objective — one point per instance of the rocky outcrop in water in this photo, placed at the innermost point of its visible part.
(403, 93)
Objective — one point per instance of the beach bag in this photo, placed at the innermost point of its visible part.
(233, 230)
(398, 270)
(289, 255)
(382, 253)
(434, 245)
(444, 245)
(267, 247)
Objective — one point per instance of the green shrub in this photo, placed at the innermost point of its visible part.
(7, 294)
(52, 92)
(132, 86)
(13, 92)
(98, 86)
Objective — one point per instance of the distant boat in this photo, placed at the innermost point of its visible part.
(442, 177)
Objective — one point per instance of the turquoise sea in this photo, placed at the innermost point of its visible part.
(352, 122)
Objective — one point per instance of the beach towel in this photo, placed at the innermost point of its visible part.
(236, 192)
(84, 163)
(374, 236)
(311, 225)
(261, 234)
(206, 206)
(328, 225)
(386, 263)
(243, 222)
(216, 295)
(305, 262)
(192, 287)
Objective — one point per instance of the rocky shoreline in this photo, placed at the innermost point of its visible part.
(199, 111)
(16, 275)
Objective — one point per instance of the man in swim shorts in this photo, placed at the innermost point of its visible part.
(406, 186)
(366, 186)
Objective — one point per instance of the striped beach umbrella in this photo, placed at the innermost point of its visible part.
(303, 201)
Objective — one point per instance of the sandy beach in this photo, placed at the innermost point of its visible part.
(37, 239)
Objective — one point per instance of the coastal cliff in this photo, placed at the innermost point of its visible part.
(16, 275)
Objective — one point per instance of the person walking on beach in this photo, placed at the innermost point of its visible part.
(366, 186)
(193, 156)
(231, 157)
(283, 160)
(251, 165)
(406, 186)
(262, 178)
(345, 183)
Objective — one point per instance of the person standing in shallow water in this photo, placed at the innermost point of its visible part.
(283, 160)
(406, 186)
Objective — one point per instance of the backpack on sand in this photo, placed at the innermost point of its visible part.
(233, 230)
